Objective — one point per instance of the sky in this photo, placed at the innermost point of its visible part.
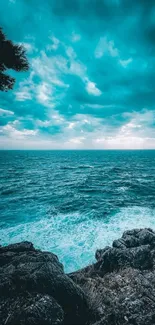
(91, 83)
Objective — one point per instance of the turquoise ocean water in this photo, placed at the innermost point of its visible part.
(73, 202)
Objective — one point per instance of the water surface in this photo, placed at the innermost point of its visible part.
(73, 202)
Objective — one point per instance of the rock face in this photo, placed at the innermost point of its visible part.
(35, 290)
(118, 289)
(121, 285)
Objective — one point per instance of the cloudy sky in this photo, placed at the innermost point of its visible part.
(91, 84)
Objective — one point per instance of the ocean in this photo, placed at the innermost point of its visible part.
(73, 202)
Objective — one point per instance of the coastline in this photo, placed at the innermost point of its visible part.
(118, 289)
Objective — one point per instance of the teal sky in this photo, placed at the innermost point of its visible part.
(91, 83)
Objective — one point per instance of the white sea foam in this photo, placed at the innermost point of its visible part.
(74, 237)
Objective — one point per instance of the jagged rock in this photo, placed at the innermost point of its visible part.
(121, 285)
(19, 247)
(136, 257)
(35, 281)
(135, 249)
(135, 238)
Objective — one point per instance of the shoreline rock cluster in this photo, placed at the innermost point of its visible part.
(118, 289)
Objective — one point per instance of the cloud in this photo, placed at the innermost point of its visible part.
(125, 63)
(125, 143)
(104, 47)
(49, 69)
(23, 94)
(71, 125)
(75, 37)
(26, 88)
(55, 44)
(28, 46)
(44, 93)
(10, 131)
(5, 112)
(77, 140)
(45, 123)
(133, 134)
(92, 89)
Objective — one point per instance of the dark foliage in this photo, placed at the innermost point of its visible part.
(12, 56)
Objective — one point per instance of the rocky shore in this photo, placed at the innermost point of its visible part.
(118, 289)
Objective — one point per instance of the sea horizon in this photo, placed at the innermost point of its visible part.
(145, 149)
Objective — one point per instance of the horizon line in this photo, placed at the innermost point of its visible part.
(143, 149)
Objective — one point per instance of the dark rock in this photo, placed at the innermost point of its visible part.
(100, 252)
(31, 309)
(121, 285)
(135, 249)
(37, 277)
(137, 237)
(136, 257)
(126, 242)
(19, 247)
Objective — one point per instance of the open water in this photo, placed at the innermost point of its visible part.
(73, 202)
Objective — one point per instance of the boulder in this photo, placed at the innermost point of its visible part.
(136, 257)
(121, 284)
(35, 282)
